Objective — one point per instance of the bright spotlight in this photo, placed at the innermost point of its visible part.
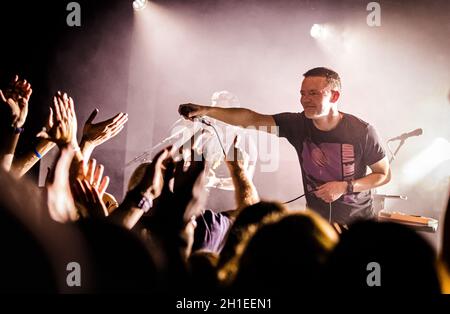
(139, 4)
(318, 31)
(424, 162)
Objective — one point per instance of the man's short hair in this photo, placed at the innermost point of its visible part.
(333, 79)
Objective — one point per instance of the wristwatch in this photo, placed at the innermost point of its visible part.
(349, 186)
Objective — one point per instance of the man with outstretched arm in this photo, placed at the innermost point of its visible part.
(334, 148)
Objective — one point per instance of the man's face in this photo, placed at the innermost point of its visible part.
(316, 97)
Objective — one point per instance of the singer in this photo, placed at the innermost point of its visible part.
(334, 148)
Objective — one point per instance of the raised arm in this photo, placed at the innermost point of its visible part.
(63, 133)
(25, 162)
(64, 129)
(245, 191)
(95, 134)
(235, 116)
(140, 198)
(15, 100)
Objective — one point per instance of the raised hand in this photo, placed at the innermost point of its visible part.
(184, 200)
(50, 122)
(98, 133)
(151, 184)
(237, 158)
(16, 96)
(23, 163)
(189, 187)
(239, 167)
(89, 189)
(93, 175)
(64, 128)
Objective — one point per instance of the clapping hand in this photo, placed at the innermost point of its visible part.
(63, 130)
(16, 96)
(98, 133)
(89, 188)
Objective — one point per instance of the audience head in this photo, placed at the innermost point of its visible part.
(250, 215)
(287, 251)
(405, 261)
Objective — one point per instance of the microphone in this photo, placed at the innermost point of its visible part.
(203, 120)
(402, 197)
(404, 136)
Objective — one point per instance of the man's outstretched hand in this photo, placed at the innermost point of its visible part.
(190, 111)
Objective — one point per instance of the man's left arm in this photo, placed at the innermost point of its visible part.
(381, 174)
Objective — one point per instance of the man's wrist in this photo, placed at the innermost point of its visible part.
(138, 199)
(87, 147)
(71, 145)
(146, 190)
(84, 143)
(349, 186)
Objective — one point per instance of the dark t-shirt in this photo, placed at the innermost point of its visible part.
(210, 232)
(336, 155)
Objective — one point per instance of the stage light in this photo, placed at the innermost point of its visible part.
(318, 31)
(139, 4)
(427, 160)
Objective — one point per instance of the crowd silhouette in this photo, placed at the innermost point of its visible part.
(161, 238)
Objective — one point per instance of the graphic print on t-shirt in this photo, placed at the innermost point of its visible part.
(327, 162)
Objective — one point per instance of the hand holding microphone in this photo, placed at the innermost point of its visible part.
(197, 112)
(190, 111)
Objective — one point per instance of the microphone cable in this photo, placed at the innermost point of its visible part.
(217, 134)
(223, 151)
(294, 199)
(298, 197)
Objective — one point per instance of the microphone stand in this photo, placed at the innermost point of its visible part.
(396, 151)
(146, 155)
(380, 197)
